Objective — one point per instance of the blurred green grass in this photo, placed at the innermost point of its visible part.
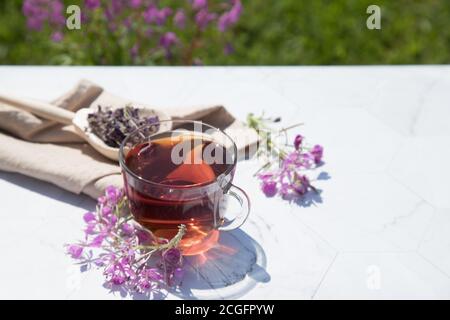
(286, 32)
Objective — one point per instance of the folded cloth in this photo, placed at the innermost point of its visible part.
(53, 152)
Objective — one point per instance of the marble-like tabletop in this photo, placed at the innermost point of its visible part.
(379, 230)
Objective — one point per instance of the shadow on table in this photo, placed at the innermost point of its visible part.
(228, 271)
(48, 190)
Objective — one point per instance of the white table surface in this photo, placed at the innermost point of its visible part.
(380, 230)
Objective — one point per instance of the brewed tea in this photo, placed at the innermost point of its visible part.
(178, 193)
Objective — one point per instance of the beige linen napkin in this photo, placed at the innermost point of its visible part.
(54, 153)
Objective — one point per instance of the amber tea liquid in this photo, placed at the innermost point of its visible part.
(174, 197)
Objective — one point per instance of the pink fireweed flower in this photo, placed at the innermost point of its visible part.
(317, 153)
(115, 273)
(147, 279)
(123, 249)
(163, 14)
(168, 40)
(57, 36)
(102, 200)
(223, 22)
(109, 15)
(118, 279)
(229, 18)
(113, 194)
(98, 241)
(301, 184)
(236, 11)
(199, 4)
(30, 7)
(180, 19)
(269, 188)
(203, 18)
(143, 285)
(40, 12)
(90, 228)
(117, 6)
(106, 211)
(297, 160)
(286, 177)
(56, 13)
(122, 16)
(144, 237)
(151, 14)
(127, 229)
(298, 141)
(134, 3)
(88, 217)
(112, 220)
(92, 4)
(268, 183)
(154, 274)
(75, 251)
(292, 160)
(159, 17)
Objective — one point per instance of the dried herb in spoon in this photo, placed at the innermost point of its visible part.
(113, 125)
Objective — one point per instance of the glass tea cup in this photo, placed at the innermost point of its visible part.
(180, 172)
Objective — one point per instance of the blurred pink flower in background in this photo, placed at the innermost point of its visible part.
(180, 19)
(112, 29)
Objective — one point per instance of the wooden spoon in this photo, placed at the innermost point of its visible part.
(79, 120)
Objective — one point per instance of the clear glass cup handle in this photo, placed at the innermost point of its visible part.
(244, 201)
